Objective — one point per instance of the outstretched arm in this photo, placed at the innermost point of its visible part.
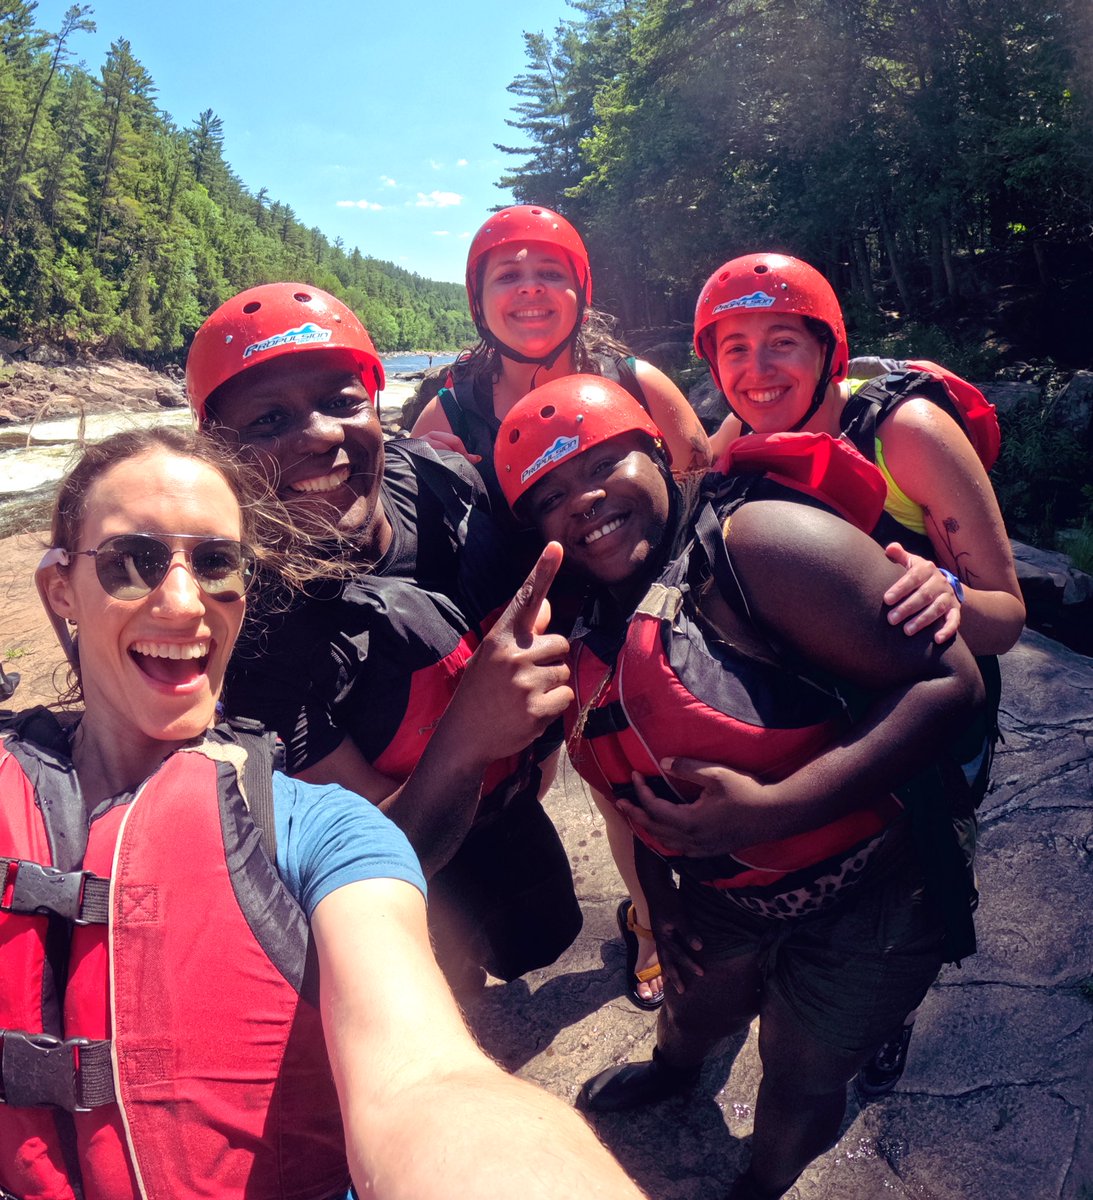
(675, 418)
(427, 1115)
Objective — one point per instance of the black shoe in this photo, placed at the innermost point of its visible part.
(882, 1072)
(631, 1085)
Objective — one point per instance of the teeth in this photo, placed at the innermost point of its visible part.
(764, 397)
(603, 530)
(171, 649)
(321, 483)
(532, 312)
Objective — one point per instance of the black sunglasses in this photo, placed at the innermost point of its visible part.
(131, 566)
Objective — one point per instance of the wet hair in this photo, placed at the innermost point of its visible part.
(70, 508)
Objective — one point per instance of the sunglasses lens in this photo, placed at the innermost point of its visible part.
(130, 567)
(222, 568)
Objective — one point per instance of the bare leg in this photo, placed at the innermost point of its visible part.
(802, 1097)
(621, 841)
(720, 1003)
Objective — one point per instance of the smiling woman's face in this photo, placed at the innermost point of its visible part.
(529, 297)
(608, 507)
(151, 669)
(769, 364)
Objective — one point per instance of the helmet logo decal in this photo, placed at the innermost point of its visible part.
(561, 448)
(302, 336)
(755, 300)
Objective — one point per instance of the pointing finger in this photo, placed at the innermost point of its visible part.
(521, 617)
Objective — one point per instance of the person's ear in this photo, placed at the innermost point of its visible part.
(55, 589)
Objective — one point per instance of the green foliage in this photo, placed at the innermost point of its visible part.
(924, 156)
(121, 230)
(1040, 474)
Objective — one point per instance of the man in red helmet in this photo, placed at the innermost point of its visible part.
(387, 681)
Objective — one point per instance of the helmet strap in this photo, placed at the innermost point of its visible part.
(821, 388)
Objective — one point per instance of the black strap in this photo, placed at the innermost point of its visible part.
(30, 888)
(709, 536)
(262, 755)
(611, 718)
(39, 1069)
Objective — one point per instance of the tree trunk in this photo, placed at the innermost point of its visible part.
(893, 261)
(864, 268)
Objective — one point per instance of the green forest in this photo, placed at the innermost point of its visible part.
(121, 230)
(934, 158)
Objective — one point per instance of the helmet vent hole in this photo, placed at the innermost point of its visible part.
(761, 268)
(252, 306)
(547, 412)
(514, 436)
(302, 297)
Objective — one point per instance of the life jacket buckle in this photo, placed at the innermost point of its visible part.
(42, 890)
(38, 1069)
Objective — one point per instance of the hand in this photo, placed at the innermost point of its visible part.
(517, 681)
(449, 441)
(731, 810)
(921, 596)
(676, 944)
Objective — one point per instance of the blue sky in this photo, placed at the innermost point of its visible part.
(375, 121)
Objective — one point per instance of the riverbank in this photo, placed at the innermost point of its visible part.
(48, 411)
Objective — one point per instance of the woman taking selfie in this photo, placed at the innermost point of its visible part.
(163, 1033)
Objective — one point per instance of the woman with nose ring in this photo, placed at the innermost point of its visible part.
(742, 701)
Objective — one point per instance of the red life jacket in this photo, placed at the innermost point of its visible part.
(420, 645)
(220, 1083)
(899, 379)
(674, 688)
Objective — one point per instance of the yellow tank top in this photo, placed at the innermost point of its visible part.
(897, 504)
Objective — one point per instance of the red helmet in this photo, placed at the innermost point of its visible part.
(564, 417)
(526, 223)
(265, 322)
(770, 283)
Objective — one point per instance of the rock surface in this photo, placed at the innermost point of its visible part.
(31, 390)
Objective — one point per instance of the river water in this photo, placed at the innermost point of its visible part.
(33, 458)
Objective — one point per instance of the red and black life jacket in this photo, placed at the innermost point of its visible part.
(873, 403)
(156, 1043)
(672, 687)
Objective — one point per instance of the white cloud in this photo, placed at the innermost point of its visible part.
(464, 235)
(462, 163)
(437, 166)
(365, 204)
(387, 181)
(441, 233)
(437, 199)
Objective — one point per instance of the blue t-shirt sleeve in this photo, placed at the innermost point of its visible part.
(328, 837)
